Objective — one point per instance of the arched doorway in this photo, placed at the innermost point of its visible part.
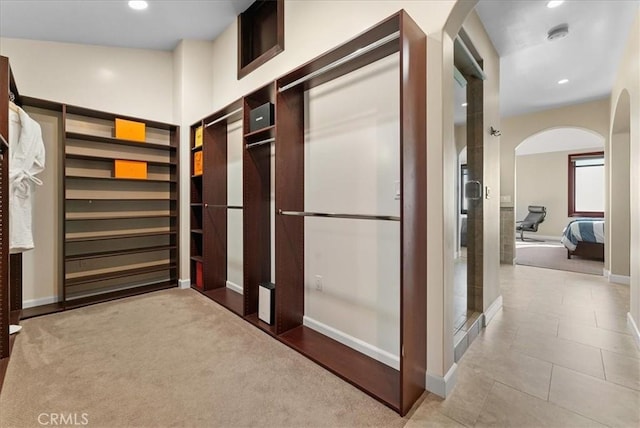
(547, 177)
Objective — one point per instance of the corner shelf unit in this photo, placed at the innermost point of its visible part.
(119, 234)
(398, 389)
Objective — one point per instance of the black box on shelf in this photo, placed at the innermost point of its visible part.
(267, 302)
(261, 117)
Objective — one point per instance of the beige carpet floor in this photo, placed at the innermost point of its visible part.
(553, 255)
(172, 359)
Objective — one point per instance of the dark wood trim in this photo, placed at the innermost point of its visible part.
(102, 159)
(73, 282)
(413, 169)
(5, 77)
(256, 202)
(82, 111)
(172, 214)
(15, 282)
(109, 140)
(214, 221)
(245, 69)
(371, 376)
(571, 188)
(121, 236)
(100, 254)
(289, 177)
(137, 180)
(37, 311)
(113, 295)
(227, 298)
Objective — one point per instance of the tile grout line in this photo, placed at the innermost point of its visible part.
(484, 401)
(604, 370)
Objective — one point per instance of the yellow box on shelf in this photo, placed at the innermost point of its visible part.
(130, 169)
(130, 130)
(198, 141)
(197, 163)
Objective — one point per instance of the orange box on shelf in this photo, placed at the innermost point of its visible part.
(197, 163)
(198, 141)
(130, 169)
(130, 130)
(199, 278)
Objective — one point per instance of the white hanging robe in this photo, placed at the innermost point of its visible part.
(27, 156)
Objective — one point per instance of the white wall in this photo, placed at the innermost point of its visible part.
(135, 82)
(193, 73)
(542, 179)
(628, 78)
(40, 266)
(234, 197)
(620, 198)
(352, 165)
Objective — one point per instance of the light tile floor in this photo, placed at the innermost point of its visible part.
(559, 354)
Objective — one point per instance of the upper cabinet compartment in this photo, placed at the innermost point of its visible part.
(260, 34)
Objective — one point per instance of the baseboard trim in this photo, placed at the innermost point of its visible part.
(184, 283)
(353, 342)
(635, 332)
(442, 386)
(32, 303)
(235, 287)
(619, 279)
(492, 310)
(606, 273)
(536, 236)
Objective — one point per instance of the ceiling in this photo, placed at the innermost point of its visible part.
(560, 140)
(112, 23)
(530, 65)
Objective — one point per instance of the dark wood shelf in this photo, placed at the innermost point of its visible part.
(108, 159)
(225, 297)
(263, 132)
(196, 149)
(196, 204)
(100, 254)
(371, 376)
(253, 319)
(199, 231)
(123, 199)
(196, 176)
(112, 295)
(137, 180)
(14, 317)
(110, 140)
(72, 282)
(121, 236)
(197, 258)
(123, 217)
(37, 311)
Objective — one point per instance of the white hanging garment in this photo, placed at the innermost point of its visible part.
(27, 157)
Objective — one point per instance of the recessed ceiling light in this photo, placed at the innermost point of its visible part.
(563, 81)
(554, 3)
(464, 104)
(558, 32)
(138, 4)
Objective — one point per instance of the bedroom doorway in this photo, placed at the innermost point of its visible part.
(562, 170)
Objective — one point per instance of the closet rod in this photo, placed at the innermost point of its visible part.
(220, 119)
(334, 215)
(343, 60)
(231, 207)
(259, 143)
